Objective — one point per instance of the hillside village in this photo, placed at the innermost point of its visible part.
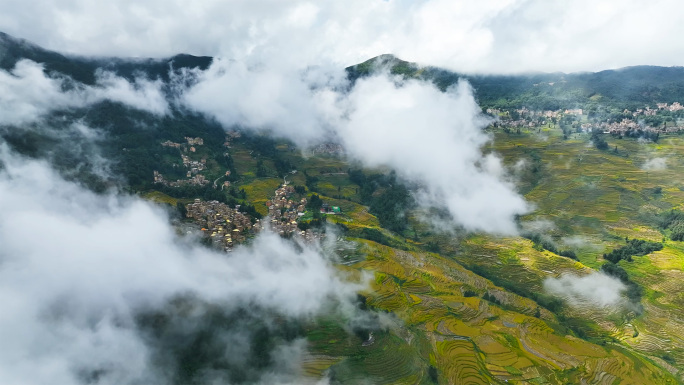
(285, 214)
(227, 227)
(194, 167)
(580, 120)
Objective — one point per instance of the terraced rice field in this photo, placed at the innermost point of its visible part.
(467, 339)
(597, 199)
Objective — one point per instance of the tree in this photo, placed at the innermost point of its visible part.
(315, 203)
(634, 247)
(301, 190)
(181, 209)
(599, 142)
(261, 170)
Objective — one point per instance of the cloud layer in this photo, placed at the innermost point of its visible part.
(270, 97)
(28, 94)
(77, 269)
(484, 36)
(435, 140)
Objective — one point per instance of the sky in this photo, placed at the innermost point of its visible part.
(491, 36)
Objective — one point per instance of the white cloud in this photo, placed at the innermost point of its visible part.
(142, 94)
(655, 164)
(594, 290)
(433, 139)
(484, 36)
(540, 225)
(76, 267)
(27, 94)
(579, 241)
(286, 102)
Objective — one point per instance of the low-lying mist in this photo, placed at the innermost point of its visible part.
(100, 289)
(596, 290)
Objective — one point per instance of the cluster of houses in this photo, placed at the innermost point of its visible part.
(525, 112)
(230, 135)
(531, 118)
(522, 123)
(612, 128)
(194, 141)
(624, 126)
(328, 148)
(672, 107)
(190, 146)
(224, 225)
(227, 227)
(190, 142)
(194, 180)
(647, 111)
(194, 166)
(284, 211)
(642, 111)
(171, 144)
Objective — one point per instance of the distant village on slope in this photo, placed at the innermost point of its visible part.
(580, 120)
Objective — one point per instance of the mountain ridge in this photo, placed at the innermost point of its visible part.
(83, 68)
(628, 87)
